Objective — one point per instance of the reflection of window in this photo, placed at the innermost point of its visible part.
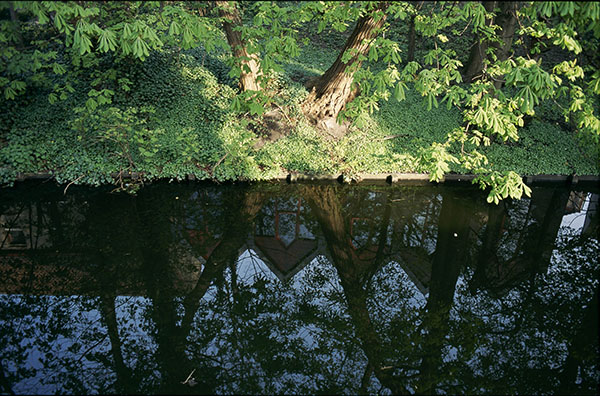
(14, 238)
(281, 240)
(288, 227)
(284, 222)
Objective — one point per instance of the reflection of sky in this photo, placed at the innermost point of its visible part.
(82, 322)
(87, 329)
(88, 336)
(250, 267)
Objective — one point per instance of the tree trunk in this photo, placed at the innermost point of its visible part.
(474, 67)
(412, 34)
(411, 39)
(247, 62)
(507, 20)
(14, 18)
(332, 91)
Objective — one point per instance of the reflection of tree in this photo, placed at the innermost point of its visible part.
(579, 353)
(528, 228)
(521, 340)
(171, 337)
(344, 324)
(353, 273)
(448, 259)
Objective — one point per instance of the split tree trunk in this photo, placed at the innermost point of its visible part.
(507, 20)
(332, 91)
(247, 62)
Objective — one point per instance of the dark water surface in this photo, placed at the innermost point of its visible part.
(298, 289)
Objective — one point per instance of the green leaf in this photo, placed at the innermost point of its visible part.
(399, 93)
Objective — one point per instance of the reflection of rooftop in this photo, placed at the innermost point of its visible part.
(281, 239)
(202, 241)
(284, 261)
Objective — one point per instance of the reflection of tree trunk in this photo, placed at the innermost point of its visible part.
(172, 339)
(448, 258)
(548, 208)
(580, 352)
(107, 307)
(535, 245)
(383, 232)
(226, 253)
(487, 257)
(328, 210)
(155, 234)
(56, 230)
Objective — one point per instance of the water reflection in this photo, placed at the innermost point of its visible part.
(298, 289)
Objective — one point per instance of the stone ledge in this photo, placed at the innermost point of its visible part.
(389, 178)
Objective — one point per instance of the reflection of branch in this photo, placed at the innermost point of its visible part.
(364, 382)
(92, 347)
(189, 377)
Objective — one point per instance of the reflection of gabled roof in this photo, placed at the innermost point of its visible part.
(202, 242)
(284, 261)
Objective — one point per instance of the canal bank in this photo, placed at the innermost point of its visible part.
(369, 178)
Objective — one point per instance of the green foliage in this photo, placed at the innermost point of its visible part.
(503, 185)
(150, 88)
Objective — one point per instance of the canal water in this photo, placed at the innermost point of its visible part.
(276, 288)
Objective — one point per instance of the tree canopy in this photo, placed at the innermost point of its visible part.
(518, 55)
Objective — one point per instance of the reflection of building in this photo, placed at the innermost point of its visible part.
(513, 240)
(18, 232)
(282, 240)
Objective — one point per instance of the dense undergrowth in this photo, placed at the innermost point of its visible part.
(175, 119)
